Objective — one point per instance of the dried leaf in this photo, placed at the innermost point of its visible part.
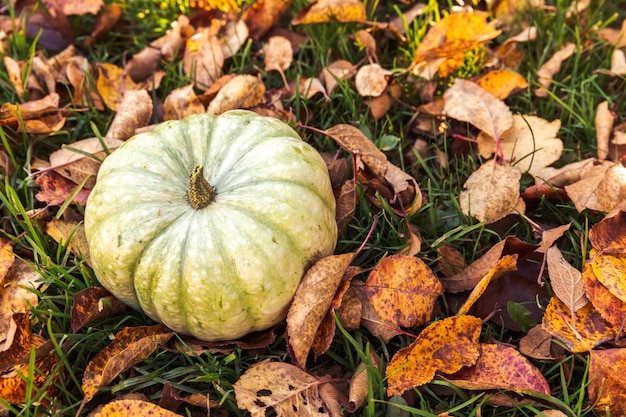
(360, 382)
(134, 112)
(241, 92)
(54, 189)
(324, 11)
(602, 188)
(17, 343)
(234, 36)
(181, 102)
(502, 83)
(371, 80)
(548, 237)
(566, 280)
(352, 140)
(611, 308)
(551, 67)
(506, 264)
(607, 389)
(491, 192)
(616, 37)
(12, 67)
(278, 54)
(263, 14)
(130, 346)
(143, 64)
(469, 277)
(70, 234)
(403, 290)
(340, 70)
(7, 258)
(451, 262)
(609, 236)
(112, 84)
(346, 204)
(604, 124)
(285, 388)
(445, 346)
(105, 22)
(501, 367)
(93, 304)
(370, 318)
(610, 270)
(80, 8)
(17, 293)
(311, 303)
(537, 344)
(203, 59)
(579, 332)
(132, 408)
(618, 62)
(468, 102)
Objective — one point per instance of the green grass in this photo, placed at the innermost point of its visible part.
(578, 90)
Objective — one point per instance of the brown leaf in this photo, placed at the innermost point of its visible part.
(371, 80)
(143, 64)
(352, 140)
(36, 388)
(403, 290)
(251, 341)
(241, 92)
(451, 262)
(13, 70)
(616, 37)
(7, 258)
(491, 192)
(609, 236)
(506, 264)
(173, 42)
(552, 67)
(93, 304)
(203, 59)
(263, 14)
(607, 389)
(604, 124)
(234, 36)
(370, 318)
(468, 102)
(50, 26)
(54, 189)
(73, 7)
(72, 161)
(308, 87)
(590, 328)
(537, 344)
(346, 204)
(501, 367)
(597, 188)
(105, 22)
(181, 102)
(548, 237)
(133, 408)
(445, 346)
(311, 303)
(566, 280)
(286, 388)
(351, 310)
(133, 112)
(324, 11)
(17, 293)
(17, 343)
(278, 54)
(130, 346)
(335, 72)
(360, 383)
(70, 234)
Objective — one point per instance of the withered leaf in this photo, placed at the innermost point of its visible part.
(312, 301)
(18, 342)
(370, 318)
(445, 346)
(234, 36)
(203, 59)
(501, 367)
(610, 270)
(324, 11)
(352, 140)
(552, 67)
(346, 204)
(93, 304)
(286, 388)
(609, 236)
(181, 102)
(143, 64)
(134, 112)
(566, 280)
(604, 124)
(263, 14)
(607, 389)
(70, 234)
(611, 308)
(130, 346)
(7, 257)
(601, 187)
(371, 80)
(548, 237)
(132, 408)
(537, 343)
(340, 70)
(54, 189)
(278, 54)
(502, 83)
(360, 382)
(17, 293)
(469, 277)
(241, 92)
(403, 290)
(112, 84)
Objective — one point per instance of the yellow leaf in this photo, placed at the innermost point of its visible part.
(133, 408)
(324, 11)
(502, 83)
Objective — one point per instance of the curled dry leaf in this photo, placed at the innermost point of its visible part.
(261, 16)
(607, 389)
(204, 58)
(548, 237)
(93, 304)
(17, 293)
(469, 277)
(618, 62)
(360, 382)
(491, 192)
(308, 87)
(311, 303)
(278, 54)
(130, 346)
(241, 92)
(403, 290)
(133, 113)
(371, 80)
(143, 64)
(468, 102)
(234, 35)
(286, 388)
(445, 346)
(566, 280)
(501, 367)
(604, 124)
(590, 328)
(340, 70)
(323, 11)
(552, 67)
(601, 187)
(530, 143)
(181, 103)
(15, 74)
(352, 140)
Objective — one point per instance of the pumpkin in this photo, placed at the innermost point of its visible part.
(207, 224)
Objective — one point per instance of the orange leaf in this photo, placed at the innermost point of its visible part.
(263, 14)
(403, 290)
(130, 346)
(112, 84)
(502, 83)
(324, 11)
(609, 236)
(611, 272)
(607, 388)
(501, 367)
(92, 304)
(133, 408)
(7, 257)
(587, 330)
(611, 308)
(445, 346)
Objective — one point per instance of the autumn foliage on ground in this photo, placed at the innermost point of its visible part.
(480, 250)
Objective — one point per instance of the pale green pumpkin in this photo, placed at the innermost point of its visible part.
(213, 266)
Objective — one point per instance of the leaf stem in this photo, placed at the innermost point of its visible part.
(200, 193)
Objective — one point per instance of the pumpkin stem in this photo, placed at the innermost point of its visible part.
(200, 193)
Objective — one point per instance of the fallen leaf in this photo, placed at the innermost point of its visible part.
(616, 37)
(203, 59)
(451, 262)
(566, 281)
(501, 367)
(445, 346)
(130, 346)
(468, 277)
(133, 112)
(17, 343)
(491, 192)
(618, 62)
(604, 124)
(17, 293)
(55, 189)
(12, 67)
(530, 144)
(278, 54)
(143, 64)
(537, 344)
(35, 389)
(324, 11)
(261, 16)
(105, 22)
(181, 102)
(549, 236)
(71, 7)
(370, 318)
(360, 382)
(234, 36)
(468, 102)
(286, 388)
(502, 83)
(607, 389)
(311, 303)
(403, 290)
(601, 188)
(611, 308)
(335, 72)
(241, 92)
(308, 87)
(132, 408)
(580, 331)
(610, 270)
(70, 234)
(609, 235)
(371, 80)
(551, 67)
(352, 140)
(112, 84)
(351, 310)
(506, 264)
(346, 204)
(7, 258)
(93, 304)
